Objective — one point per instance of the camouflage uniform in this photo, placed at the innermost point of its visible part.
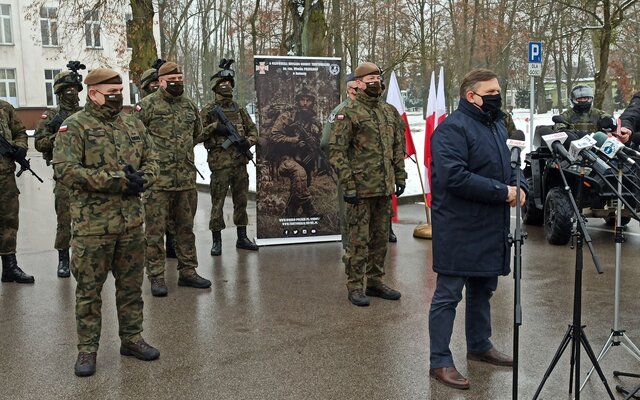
(175, 127)
(91, 151)
(14, 132)
(511, 126)
(228, 166)
(366, 150)
(582, 123)
(324, 145)
(287, 135)
(44, 139)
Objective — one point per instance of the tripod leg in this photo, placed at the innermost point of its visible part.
(604, 351)
(626, 342)
(594, 361)
(563, 346)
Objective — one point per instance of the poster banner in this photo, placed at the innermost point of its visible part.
(296, 187)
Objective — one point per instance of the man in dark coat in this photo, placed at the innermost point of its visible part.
(630, 121)
(473, 187)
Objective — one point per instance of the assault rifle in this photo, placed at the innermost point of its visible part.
(234, 137)
(8, 150)
(314, 157)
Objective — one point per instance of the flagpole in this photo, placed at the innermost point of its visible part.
(423, 231)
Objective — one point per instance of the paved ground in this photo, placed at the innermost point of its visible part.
(277, 324)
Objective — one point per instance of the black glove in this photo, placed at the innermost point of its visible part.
(135, 181)
(351, 198)
(244, 145)
(55, 123)
(19, 153)
(399, 189)
(221, 130)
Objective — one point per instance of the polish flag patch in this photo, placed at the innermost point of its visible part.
(63, 128)
(43, 116)
(138, 108)
(340, 117)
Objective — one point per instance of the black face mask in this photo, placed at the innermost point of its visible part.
(374, 89)
(112, 103)
(582, 107)
(175, 88)
(491, 103)
(69, 100)
(224, 91)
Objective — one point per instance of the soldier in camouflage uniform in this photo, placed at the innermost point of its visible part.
(228, 165)
(582, 117)
(106, 158)
(12, 130)
(295, 138)
(173, 121)
(367, 152)
(67, 85)
(366, 147)
(149, 84)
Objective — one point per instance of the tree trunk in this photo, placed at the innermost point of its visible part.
(143, 45)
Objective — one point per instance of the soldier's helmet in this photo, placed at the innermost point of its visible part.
(225, 74)
(305, 91)
(578, 92)
(148, 76)
(65, 79)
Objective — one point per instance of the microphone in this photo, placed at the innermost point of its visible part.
(559, 119)
(515, 144)
(581, 148)
(612, 147)
(554, 141)
(608, 124)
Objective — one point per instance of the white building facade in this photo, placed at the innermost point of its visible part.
(38, 38)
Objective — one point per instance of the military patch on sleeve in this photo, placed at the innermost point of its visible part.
(332, 117)
(138, 108)
(63, 128)
(43, 116)
(340, 117)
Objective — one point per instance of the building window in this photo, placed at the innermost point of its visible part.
(134, 93)
(49, 79)
(129, 18)
(5, 24)
(8, 90)
(49, 25)
(92, 29)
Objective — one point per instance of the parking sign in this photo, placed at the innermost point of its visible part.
(535, 52)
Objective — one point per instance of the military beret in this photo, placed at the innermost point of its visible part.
(102, 75)
(366, 68)
(169, 68)
(350, 78)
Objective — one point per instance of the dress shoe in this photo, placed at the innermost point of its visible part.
(450, 377)
(358, 298)
(158, 287)
(85, 364)
(492, 356)
(140, 350)
(383, 291)
(191, 279)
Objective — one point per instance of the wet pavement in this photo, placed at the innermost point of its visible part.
(277, 324)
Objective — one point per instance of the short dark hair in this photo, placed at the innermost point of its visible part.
(475, 76)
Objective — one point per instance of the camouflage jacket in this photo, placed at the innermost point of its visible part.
(511, 126)
(44, 138)
(290, 129)
(326, 128)
(175, 128)
(366, 147)
(11, 128)
(219, 157)
(89, 157)
(582, 123)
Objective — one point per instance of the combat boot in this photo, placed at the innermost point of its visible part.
(63, 263)
(158, 286)
(140, 350)
(85, 364)
(309, 210)
(169, 246)
(243, 241)
(216, 247)
(12, 273)
(189, 277)
(392, 236)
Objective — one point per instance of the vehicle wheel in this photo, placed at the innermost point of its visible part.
(611, 221)
(557, 217)
(530, 214)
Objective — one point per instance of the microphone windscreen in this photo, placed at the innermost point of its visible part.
(544, 130)
(559, 119)
(518, 135)
(607, 124)
(600, 138)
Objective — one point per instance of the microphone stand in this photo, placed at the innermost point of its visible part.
(575, 333)
(517, 240)
(618, 336)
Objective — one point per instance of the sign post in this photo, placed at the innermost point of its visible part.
(535, 69)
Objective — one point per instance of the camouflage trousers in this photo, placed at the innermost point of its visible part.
(92, 257)
(63, 231)
(178, 209)
(9, 216)
(221, 179)
(368, 233)
(299, 191)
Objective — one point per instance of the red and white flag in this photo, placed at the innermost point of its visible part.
(441, 104)
(431, 122)
(394, 97)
